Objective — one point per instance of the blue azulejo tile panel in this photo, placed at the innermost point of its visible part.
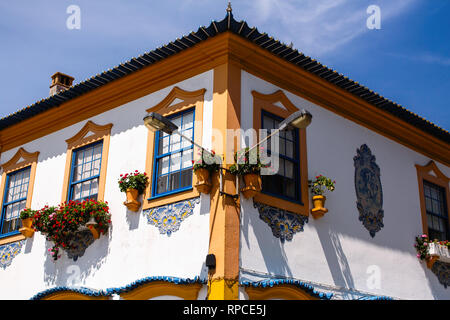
(168, 218)
(8, 252)
(442, 272)
(284, 224)
(369, 193)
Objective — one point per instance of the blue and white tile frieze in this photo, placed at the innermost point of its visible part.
(168, 218)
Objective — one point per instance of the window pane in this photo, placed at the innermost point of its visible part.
(163, 165)
(290, 149)
(175, 162)
(186, 178)
(186, 161)
(289, 173)
(174, 181)
(162, 184)
(188, 120)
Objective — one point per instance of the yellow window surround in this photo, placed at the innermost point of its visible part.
(90, 133)
(166, 107)
(20, 160)
(268, 102)
(431, 173)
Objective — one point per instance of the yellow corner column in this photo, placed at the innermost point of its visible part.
(225, 213)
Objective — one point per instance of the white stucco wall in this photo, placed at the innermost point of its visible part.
(336, 251)
(133, 249)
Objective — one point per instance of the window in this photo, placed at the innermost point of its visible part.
(285, 183)
(16, 192)
(436, 208)
(85, 172)
(86, 162)
(14, 200)
(288, 189)
(173, 157)
(434, 197)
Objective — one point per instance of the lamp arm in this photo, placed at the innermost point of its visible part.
(282, 127)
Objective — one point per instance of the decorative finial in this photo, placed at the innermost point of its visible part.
(229, 9)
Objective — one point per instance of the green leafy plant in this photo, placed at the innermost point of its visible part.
(134, 180)
(27, 213)
(246, 162)
(208, 161)
(321, 184)
(60, 223)
(422, 244)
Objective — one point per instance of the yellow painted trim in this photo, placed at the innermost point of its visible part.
(440, 179)
(284, 292)
(222, 289)
(267, 102)
(17, 237)
(69, 295)
(224, 210)
(161, 288)
(81, 139)
(190, 99)
(29, 160)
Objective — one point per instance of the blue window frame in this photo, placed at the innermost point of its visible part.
(14, 201)
(436, 208)
(173, 155)
(85, 172)
(285, 183)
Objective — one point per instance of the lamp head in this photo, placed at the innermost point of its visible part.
(155, 122)
(300, 119)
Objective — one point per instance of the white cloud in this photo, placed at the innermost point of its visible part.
(317, 27)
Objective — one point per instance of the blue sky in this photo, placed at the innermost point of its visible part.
(407, 60)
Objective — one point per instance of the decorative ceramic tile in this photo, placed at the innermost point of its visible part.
(369, 193)
(78, 244)
(169, 217)
(8, 252)
(442, 272)
(284, 224)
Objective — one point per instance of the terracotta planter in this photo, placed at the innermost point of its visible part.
(252, 185)
(319, 209)
(132, 202)
(27, 229)
(203, 184)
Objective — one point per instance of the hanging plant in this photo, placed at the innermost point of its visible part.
(204, 167)
(60, 224)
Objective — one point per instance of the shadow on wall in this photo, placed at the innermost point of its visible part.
(67, 272)
(335, 257)
(436, 281)
(273, 254)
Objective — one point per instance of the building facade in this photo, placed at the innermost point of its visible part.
(391, 167)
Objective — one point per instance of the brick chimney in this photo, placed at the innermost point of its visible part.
(60, 82)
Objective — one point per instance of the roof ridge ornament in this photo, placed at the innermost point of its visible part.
(229, 9)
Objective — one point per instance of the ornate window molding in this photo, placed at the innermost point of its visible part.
(278, 104)
(284, 224)
(167, 218)
(8, 252)
(431, 173)
(21, 160)
(89, 134)
(176, 101)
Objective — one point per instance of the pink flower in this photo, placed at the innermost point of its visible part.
(424, 236)
(418, 255)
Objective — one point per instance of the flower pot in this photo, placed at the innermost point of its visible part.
(252, 185)
(27, 229)
(132, 203)
(319, 210)
(437, 252)
(203, 184)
